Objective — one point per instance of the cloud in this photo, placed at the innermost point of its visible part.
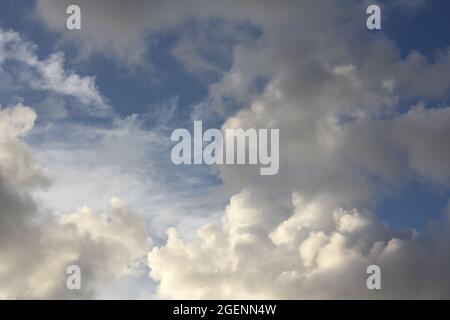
(48, 75)
(315, 253)
(346, 140)
(111, 27)
(16, 161)
(422, 134)
(345, 102)
(116, 30)
(127, 159)
(37, 246)
(412, 144)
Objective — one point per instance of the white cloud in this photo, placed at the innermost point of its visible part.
(16, 163)
(334, 93)
(49, 75)
(37, 246)
(88, 164)
(300, 259)
(338, 96)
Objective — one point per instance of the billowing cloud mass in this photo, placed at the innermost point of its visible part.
(314, 254)
(38, 246)
(345, 141)
(358, 119)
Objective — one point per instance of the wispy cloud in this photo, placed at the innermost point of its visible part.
(50, 75)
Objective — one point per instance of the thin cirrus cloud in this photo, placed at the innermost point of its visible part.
(357, 119)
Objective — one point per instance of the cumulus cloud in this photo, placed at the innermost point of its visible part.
(315, 253)
(338, 94)
(36, 246)
(16, 162)
(116, 30)
(112, 27)
(346, 140)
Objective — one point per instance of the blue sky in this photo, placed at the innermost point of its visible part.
(425, 32)
(143, 91)
(221, 67)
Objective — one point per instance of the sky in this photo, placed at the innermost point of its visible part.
(86, 176)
